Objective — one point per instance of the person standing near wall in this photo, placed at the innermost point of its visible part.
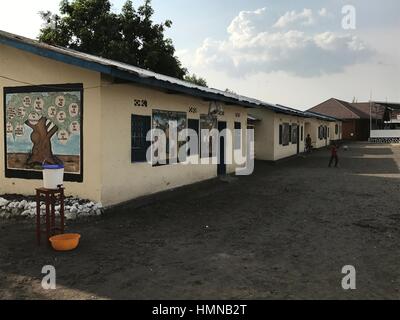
(308, 144)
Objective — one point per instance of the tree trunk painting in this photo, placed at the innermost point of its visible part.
(41, 139)
(42, 127)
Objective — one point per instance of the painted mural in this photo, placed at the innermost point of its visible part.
(209, 123)
(161, 121)
(295, 129)
(285, 134)
(43, 127)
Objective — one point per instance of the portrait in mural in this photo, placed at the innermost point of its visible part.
(162, 119)
(295, 132)
(208, 122)
(43, 126)
(285, 134)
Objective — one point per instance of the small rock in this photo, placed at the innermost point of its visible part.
(73, 210)
(22, 204)
(26, 213)
(90, 204)
(3, 202)
(70, 216)
(12, 204)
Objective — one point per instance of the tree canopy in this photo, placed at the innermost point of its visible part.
(196, 80)
(130, 36)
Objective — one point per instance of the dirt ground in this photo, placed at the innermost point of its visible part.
(284, 232)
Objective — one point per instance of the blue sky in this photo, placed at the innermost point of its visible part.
(306, 58)
(195, 20)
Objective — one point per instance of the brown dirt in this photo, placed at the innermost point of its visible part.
(19, 161)
(284, 232)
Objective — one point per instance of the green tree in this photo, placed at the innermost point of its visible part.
(230, 91)
(48, 115)
(196, 80)
(130, 36)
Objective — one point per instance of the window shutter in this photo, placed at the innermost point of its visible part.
(140, 126)
(280, 134)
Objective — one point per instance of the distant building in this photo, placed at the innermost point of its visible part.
(356, 117)
(282, 132)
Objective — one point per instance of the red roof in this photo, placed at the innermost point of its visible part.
(344, 110)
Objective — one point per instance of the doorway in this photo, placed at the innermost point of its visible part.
(221, 168)
(298, 138)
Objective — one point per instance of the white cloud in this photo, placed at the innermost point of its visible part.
(25, 20)
(305, 18)
(246, 24)
(251, 48)
(323, 12)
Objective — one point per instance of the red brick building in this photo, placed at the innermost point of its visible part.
(356, 117)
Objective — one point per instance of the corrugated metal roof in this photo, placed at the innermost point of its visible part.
(252, 118)
(320, 116)
(135, 74)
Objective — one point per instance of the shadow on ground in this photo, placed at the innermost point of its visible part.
(284, 232)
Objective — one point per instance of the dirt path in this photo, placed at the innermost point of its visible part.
(284, 232)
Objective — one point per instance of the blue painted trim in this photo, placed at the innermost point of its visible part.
(56, 55)
(125, 75)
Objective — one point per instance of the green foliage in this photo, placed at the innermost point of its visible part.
(230, 91)
(196, 80)
(131, 36)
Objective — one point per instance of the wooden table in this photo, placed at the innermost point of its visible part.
(50, 197)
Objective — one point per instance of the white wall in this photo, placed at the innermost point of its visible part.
(264, 134)
(109, 176)
(29, 68)
(267, 145)
(385, 134)
(281, 151)
(123, 180)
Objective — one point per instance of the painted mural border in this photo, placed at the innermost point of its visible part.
(36, 175)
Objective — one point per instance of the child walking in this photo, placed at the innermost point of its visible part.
(334, 155)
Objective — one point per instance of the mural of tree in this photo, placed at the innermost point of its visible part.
(48, 115)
